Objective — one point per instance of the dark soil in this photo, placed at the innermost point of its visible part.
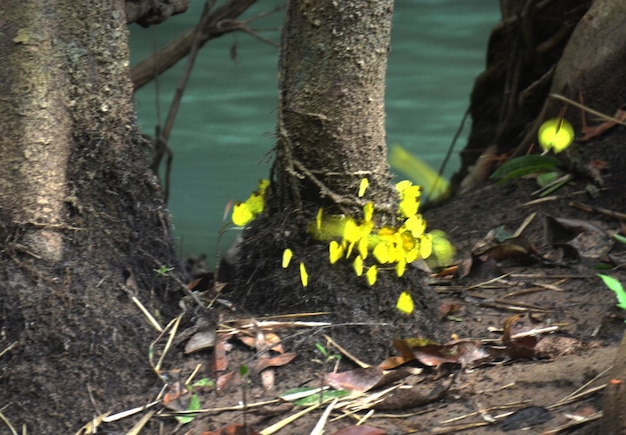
(561, 291)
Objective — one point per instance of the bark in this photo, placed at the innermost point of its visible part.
(82, 223)
(331, 130)
(149, 12)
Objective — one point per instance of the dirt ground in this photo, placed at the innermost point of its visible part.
(549, 286)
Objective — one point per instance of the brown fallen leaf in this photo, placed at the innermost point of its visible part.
(219, 362)
(586, 238)
(464, 352)
(233, 429)
(523, 347)
(364, 379)
(176, 396)
(274, 361)
(261, 341)
(411, 397)
(444, 310)
(509, 248)
(589, 132)
(394, 361)
(201, 340)
(360, 430)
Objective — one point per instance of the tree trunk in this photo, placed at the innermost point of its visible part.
(330, 135)
(331, 127)
(82, 223)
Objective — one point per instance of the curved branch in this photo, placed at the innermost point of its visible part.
(145, 71)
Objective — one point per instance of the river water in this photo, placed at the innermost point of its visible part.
(223, 135)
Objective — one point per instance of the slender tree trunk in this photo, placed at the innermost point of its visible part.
(330, 135)
(82, 224)
(331, 127)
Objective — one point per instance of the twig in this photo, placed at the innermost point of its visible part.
(281, 424)
(8, 424)
(162, 141)
(566, 426)
(319, 427)
(169, 55)
(346, 353)
(168, 345)
(600, 210)
(8, 348)
(588, 109)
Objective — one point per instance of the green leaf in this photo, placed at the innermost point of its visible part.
(194, 405)
(327, 395)
(243, 370)
(520, 166)
(204, 382)
(617, 287)
(549, 177)
(619, 238)
(297, 391)
(321, 349)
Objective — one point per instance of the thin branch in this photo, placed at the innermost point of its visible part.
(588, 109)
(216, 26)
(163, 135)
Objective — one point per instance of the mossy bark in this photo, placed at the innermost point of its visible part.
(82, 226)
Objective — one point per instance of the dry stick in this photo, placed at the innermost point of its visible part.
(292, 164)
(600, 210)
(136, 429)
(446, 159)
(588, 109)
(288, 156)
(8, 424)
(243, 25)
(566, 426)
(7, 349)
(164, 137)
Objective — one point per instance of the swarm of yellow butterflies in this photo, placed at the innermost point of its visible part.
(356, 240)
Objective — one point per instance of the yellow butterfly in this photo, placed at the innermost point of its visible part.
(405, 303)
(555, 134)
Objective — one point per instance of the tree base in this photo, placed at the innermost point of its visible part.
(362, 315)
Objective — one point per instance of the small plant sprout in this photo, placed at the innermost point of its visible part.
(617, 287)
(243, 374)
(327, 359)
(163, 271)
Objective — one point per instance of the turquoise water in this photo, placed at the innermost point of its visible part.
(224, 130)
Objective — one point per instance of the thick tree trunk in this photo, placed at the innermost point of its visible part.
(330, 135)
(82, 223)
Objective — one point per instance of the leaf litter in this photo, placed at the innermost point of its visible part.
(421, 374)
